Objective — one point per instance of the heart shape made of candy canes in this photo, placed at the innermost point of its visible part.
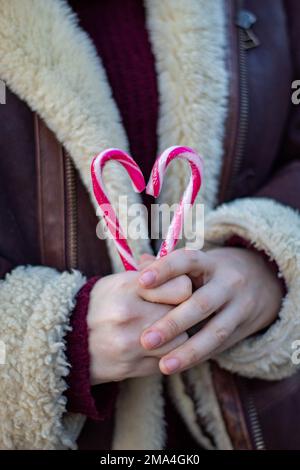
(153, 188)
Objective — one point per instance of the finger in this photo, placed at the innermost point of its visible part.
(145, 260)
(183, 261)
(204, 301)
(200, 346)
(172, 292)
(244, 330)
(168, 347)
(237, 336)
(150, 312)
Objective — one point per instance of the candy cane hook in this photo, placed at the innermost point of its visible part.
(155, 184)
(105, 206)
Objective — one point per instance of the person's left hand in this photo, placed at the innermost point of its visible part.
(235, 287)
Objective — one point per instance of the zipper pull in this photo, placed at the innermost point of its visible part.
(245, 20)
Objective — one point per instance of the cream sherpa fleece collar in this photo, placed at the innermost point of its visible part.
(48, 61)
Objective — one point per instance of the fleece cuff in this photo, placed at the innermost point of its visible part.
(274, 229)
(35, 306)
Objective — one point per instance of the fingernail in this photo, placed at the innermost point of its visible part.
(147, 278)
(171, 364)
(152, 339)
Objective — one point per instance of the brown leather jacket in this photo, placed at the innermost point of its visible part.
(46, 217)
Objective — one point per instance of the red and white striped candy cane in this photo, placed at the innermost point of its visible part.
(155, 184)
(105, 206)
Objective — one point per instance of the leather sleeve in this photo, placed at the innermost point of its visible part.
(284, 185)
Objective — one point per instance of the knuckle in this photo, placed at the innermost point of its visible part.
(125, 281)
(203, 303)
(168, 267)
(171, 327)
(187, 286)
(192, 357)
(238, 280)
(220, 334)
(193, 257)
(123, 314)
(124, 284)
(192, 304)
(122, 344)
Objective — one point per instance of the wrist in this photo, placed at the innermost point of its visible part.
(239, 242)
(82, 398)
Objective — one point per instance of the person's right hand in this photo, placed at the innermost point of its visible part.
(119, 310)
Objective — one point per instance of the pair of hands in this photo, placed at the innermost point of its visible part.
(137, 321)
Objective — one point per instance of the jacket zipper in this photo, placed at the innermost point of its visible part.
(256, 431)
(246, 40)
(243, 118)
(71, 213)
